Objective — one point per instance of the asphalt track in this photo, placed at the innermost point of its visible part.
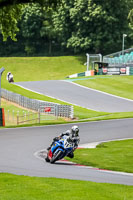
(82, 96)
(18, 146)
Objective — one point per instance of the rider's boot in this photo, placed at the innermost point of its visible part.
(70, 155)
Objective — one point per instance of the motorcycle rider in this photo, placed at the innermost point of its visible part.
(10, 77)
(73, 138)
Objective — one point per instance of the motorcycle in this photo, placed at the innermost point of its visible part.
(11, 80)
(60, 149)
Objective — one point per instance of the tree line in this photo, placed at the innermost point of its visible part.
(64, 27)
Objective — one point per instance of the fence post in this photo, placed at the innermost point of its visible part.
(8, 115)
(13, 115)
(60, 110)
(28, 115)
(17, 117)
(56, 110)
(17, 120)
(39, 116)
(72, 112)
(23, 115)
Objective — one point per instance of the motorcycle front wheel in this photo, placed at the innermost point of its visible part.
(56, 157)
(47, 159)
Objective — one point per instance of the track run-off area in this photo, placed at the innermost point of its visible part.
(19, 146)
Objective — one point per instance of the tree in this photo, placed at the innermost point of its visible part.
(37, 29)
(62, 22)
(92, 25)
(11, 12)
(30, 27)
(130, 17)
(47, 30)
(8, 21)
(46, 3)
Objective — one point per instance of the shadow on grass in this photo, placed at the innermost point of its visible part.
(81, 58)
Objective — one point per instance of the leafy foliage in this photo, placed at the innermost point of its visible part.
(130, 17)
(46, 3)
(87, 24)
(75, 26)
(11, 11)
(8, 20)
(31, 25)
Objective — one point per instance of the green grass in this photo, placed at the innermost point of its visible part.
(14, 187)
(42, 68)
(79, 112)
(117, 85)
(32, 95)
(54, 68)
(47, 68)
(109, 116)
(117, 156)
(12, 110)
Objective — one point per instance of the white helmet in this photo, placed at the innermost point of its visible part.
(75, 131)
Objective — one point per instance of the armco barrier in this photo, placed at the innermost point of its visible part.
(34, 104)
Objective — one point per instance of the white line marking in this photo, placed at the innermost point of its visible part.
(55, 98)
(36, 154)
(99, 91)
(94, 144)
(106, 171)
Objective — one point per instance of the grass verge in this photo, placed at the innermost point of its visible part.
(80, 115)
(117, 85)
(41, 68)
(79, 112)
(50, 68)
(116, 156)
(34, 188)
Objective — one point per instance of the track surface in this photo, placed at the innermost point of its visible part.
(17, 148)
(85, 97)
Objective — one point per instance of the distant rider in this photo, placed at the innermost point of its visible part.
(73, 138)
(10, 77)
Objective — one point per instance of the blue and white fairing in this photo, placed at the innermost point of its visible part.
(63, 145)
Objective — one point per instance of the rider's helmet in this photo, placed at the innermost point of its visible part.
(75, 131)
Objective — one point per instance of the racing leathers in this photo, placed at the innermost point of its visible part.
(74, 140)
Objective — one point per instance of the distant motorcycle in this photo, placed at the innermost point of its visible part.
(60, 149)
(11, 80)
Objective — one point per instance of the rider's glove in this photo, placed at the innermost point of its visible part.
(56, 138)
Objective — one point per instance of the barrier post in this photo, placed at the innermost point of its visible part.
(39, 116)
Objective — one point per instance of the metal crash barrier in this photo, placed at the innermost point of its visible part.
(34, 104)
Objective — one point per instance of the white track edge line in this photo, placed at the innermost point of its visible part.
(99, 91)
(88, 167)
(55, 98)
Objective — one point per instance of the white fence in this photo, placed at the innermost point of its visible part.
(27, 117)
(13, 117)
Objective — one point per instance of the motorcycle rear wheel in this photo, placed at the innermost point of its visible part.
(55, 157)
